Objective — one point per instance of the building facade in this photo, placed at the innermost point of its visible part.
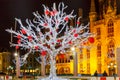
(5, 62)
(103, 52)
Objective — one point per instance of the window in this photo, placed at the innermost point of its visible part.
(98, 33)
(81, 68)
(110, 28)
(99, 66)
(81, 56)
(111, 49)
(98, 50)
(88, 68)
(88, 54)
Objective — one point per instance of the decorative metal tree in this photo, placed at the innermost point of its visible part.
(49, 34)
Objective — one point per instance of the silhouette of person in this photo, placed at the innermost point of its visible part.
(104, 74)
(95, 74)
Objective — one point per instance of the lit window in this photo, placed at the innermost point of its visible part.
(98, 50)
(110, 28)
(88, 54)
(98, 33)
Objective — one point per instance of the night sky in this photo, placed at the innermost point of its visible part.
(9, 9)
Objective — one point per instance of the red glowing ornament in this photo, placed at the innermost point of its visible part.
(23, 31)
(52, 13)
(66, 19)
(17, 47)
(36, 47)
(58, 40)
(18, 36)
(70, 42)
(78, 23)
(91, 39)
(19, 41)
(47, 12)
(29, 38)
(75, 35)
(43, 53)
(45, 24)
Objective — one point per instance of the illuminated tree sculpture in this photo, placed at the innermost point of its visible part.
(50, 33)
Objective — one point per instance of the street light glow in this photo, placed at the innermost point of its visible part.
(73, 48)
(15, 54)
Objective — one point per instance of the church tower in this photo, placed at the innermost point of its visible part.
(92, 13)
(101, 9)
(109, 9)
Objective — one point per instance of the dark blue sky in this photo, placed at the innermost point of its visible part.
(9, 9)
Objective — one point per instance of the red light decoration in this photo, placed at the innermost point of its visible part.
(70, 42)
(17, 47)
(36, 47)
(103, 78)
(58, 40)
(18, 36)
(66, 19)
(23, 31)
(76, 35)
(78, 23)
(29, 37)
(19, 41)
(47, 12)
(43, 53)
(91, 39)
(45, 24)
(52, 13)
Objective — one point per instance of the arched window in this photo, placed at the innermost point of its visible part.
(99, 58)
(88, 53)
(98, 50)
(98, 31)
(110, 29)
(88, 68)
(111, 46)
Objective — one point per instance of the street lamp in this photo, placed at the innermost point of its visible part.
(9, 69)
(112, 69)
(75, 61)
(17, 64)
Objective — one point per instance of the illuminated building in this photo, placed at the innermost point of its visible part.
(102, 54)
(5, 61)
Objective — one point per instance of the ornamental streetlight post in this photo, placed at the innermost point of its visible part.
(75, 61)
(9, 69)
(17, 64)
(112, 69)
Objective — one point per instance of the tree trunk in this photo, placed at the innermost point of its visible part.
(52, 67)
(43, 66)
(53, 75)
